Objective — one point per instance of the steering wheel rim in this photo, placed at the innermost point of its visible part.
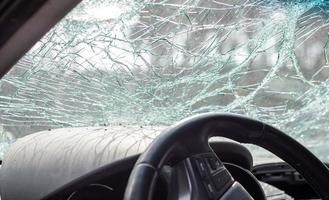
(180, 141)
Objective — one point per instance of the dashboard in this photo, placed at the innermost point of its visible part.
(113, 186)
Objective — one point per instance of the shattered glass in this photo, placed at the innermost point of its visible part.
(153, 62)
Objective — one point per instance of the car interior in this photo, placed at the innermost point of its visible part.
(187, 160)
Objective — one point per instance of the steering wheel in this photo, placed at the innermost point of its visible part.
(201, 174)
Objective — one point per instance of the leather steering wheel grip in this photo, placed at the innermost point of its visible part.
(190, 136)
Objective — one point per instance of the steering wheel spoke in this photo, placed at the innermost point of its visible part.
(203, 176)
(186, 182)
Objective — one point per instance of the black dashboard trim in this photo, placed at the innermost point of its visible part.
(93, 176)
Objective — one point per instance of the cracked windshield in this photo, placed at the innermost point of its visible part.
(152, 63)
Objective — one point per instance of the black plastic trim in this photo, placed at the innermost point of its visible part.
(13, 14)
